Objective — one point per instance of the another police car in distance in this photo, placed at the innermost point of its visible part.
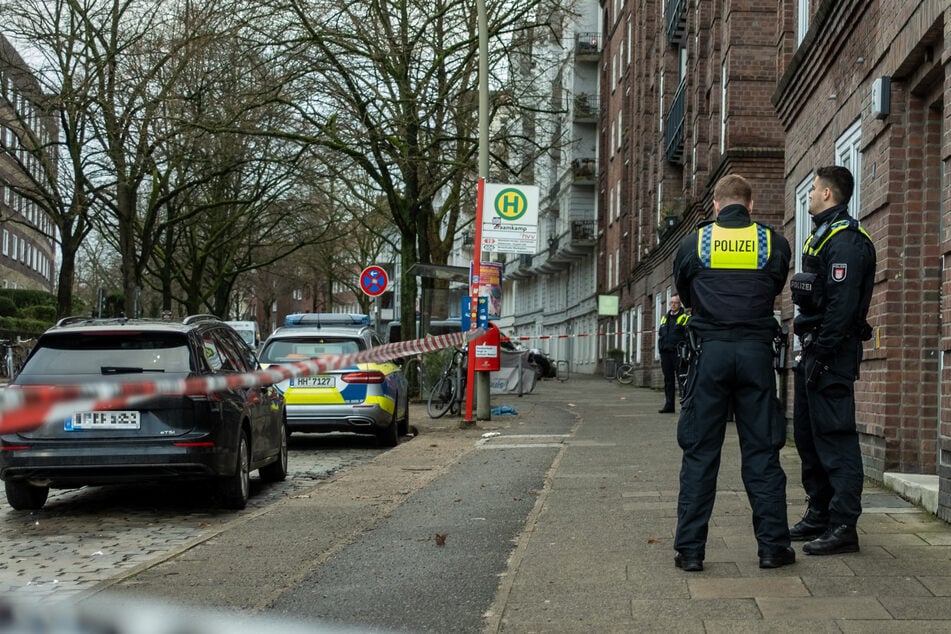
(369, 398)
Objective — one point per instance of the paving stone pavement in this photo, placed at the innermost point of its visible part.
(83, 537)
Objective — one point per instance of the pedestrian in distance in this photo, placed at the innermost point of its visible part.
(833, 293)
(729, 273)
(671, 333)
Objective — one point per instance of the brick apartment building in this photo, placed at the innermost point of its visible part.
(692, 90)
(28, 135)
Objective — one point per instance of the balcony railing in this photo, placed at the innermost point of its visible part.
(674, 127)
(586, 108)
(582, 229)
(676, 22)
(588, 46)
(583, 169)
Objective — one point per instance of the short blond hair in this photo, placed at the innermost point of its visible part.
(733, 188)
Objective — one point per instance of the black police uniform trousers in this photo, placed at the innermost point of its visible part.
(825, 434)
(738, 372)
(669, 360)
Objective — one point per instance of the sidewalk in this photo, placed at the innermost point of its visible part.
(596, 553)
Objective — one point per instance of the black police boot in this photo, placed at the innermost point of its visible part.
(812, 525)
(666, 409)
(838, 539)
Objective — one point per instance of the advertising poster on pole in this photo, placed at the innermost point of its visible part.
(490, 287)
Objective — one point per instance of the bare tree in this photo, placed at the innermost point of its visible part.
(390, 86)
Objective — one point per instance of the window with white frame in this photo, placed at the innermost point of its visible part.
(629, 35)
(658, 313)
(620, 128)
(617, 266)
(6, 242)
(638, 333)
(802, 21)
(723, 107)
(803, 218)
(848, 154)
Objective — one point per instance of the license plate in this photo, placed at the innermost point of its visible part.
(103, 420)
(322, 380)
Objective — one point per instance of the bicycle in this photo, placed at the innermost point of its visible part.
(14, 355)
(624, 373)
(449, 392)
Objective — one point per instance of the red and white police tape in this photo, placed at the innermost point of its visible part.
(25, 408)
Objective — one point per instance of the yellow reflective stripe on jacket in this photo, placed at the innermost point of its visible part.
(681, 319)
(835, 228)
(733, 248)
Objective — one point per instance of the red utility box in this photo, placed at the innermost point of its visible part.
(487, 357)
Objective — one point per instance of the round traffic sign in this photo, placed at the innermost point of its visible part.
(373, 280)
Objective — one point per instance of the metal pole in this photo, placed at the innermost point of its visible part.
(483, 406)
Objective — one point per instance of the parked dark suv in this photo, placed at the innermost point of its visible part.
(220, 437)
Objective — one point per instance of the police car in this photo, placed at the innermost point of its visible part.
(368, 398)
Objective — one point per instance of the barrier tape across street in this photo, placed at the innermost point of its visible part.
(26, 408)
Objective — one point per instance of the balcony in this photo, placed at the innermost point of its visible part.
(676, 22)
(468, 238)
(520, 268)
(583, 171)
(674, 127)
(587, 108)
(588, 47)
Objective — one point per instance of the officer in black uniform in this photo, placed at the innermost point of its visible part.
(729, 273)
(671, 333)
(833, 293)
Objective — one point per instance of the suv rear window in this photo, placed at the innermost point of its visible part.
(303, 348)
(126, 352)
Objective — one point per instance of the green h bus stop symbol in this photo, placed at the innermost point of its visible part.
(510, 204)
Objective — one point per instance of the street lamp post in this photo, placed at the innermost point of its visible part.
(480, 379)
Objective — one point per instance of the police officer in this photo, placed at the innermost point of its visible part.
(833, 293)
(671, 333)
(729, 273)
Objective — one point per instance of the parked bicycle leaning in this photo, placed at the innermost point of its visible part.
(449, 392)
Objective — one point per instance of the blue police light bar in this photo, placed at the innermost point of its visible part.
(327, 319)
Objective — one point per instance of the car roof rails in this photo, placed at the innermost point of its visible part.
(326, 319)
(72, 319)
(200, 317)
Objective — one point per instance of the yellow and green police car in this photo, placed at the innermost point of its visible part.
(368, 398)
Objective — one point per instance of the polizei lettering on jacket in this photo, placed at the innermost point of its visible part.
(736, 246)
(733, 247)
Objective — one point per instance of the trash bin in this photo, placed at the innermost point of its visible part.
(610, 368)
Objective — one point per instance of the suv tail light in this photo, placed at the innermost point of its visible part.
(373, 376)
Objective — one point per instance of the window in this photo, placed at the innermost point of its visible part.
(803, 229)
(848, 153)
(6, 242)
(638, 334)
(803, 219)
(802, 21)
(723, 107)
(658, 313)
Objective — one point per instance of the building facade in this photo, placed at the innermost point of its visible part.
(694, 90)
(550, 297)
(866, 84)
(28, 141)
(661, 98)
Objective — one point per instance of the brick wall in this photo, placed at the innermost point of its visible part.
(901, 404)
